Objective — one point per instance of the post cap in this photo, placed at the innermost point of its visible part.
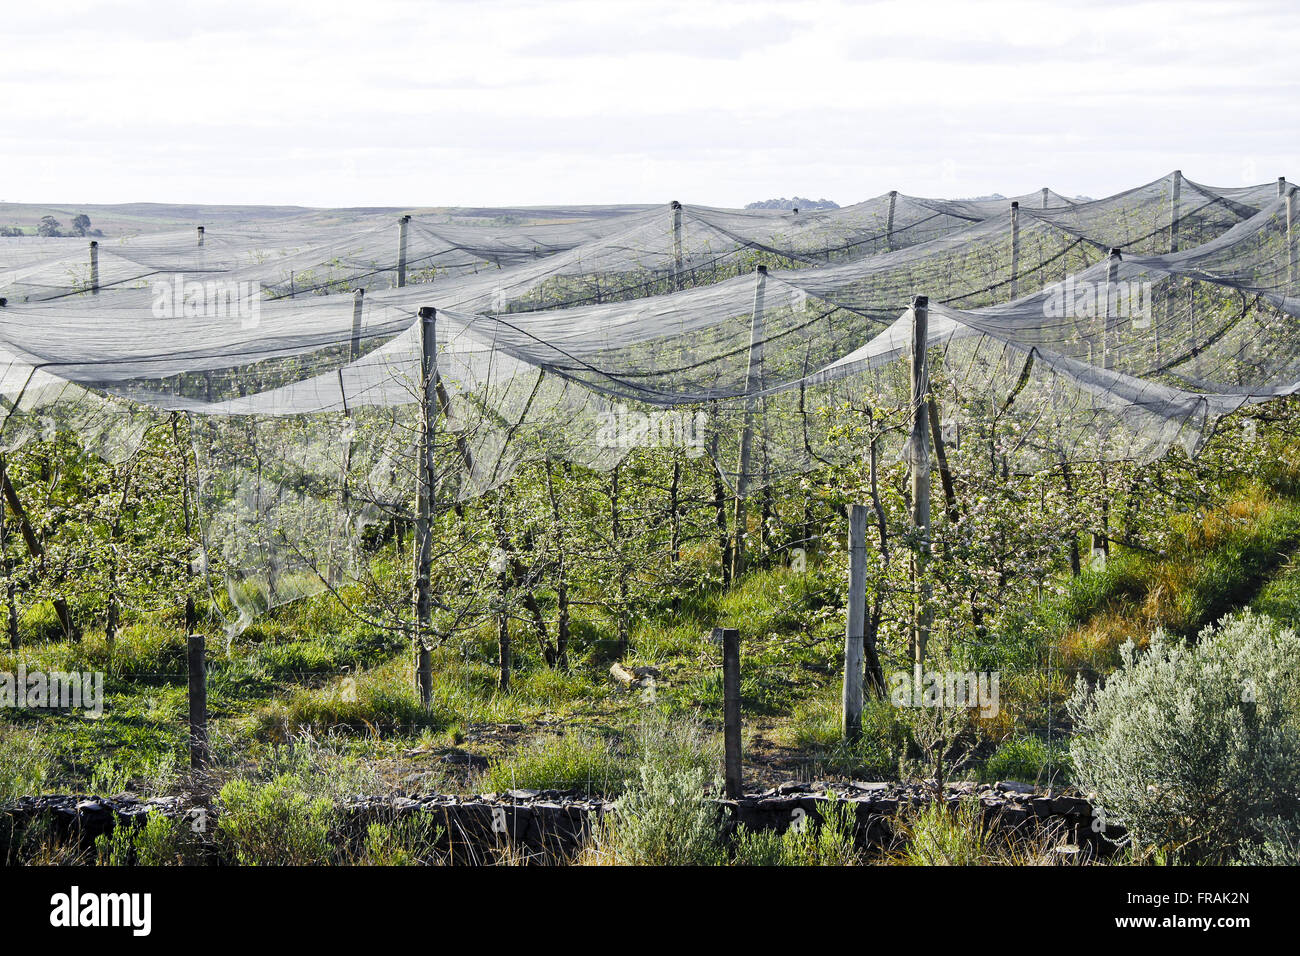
(674, 205)
(94, 244)
(405, 218)
(358, 292)
(1115, 253)
(200, 228)
(1015, 204)
(920, 301)
(762, 270)
(3, 302)
(796, 210)
(427, 312)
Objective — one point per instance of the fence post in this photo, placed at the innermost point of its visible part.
(1015, 249)
(94, 267)
(854, 632)
(1281, 186)
(677, 245)
(920, 461)
(198, 679)
(424, 498)
(730, 639)
(1044, 197)
(753, 382)
(200, 231)
(401, 250)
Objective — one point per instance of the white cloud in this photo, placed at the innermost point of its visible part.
(402, 102)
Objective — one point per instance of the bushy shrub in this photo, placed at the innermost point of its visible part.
(161, 841)
(274, 824)
(1193, 747)
(666, 820)
(409, 842)
(938, 834)
(828, 842)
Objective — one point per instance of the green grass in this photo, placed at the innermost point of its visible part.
(573, 761)
(1029, 760)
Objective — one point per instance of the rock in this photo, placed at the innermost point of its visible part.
(622, 674)
(1014, 786)
(464, 758)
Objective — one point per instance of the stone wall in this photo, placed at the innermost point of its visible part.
(553, 824)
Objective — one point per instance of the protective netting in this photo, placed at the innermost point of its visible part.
(753, 337)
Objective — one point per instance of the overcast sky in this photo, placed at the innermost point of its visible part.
(415, 103)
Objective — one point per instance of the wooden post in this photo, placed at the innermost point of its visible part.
(1174, 202)
(889, 225)
(1281, 186)
(753, 383)
(730, 640)
(401, 250)
(1044, 197)
(1015, 249)
(358, 301)
(94, 267)
(920, 461)
(855, 628)
(677, 245)
(200, 232)
(424, 502)
(197, 658)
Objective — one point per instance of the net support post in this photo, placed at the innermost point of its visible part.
(1015, 250)
(1175, 201)
(402, 225)
(889, 223)
(1045, 193)
(1292, 266)
(729, 638)
(1110, 316)
(919, 454)
(358, 306)
(1281, 187)
(753, 383)
(196, 656)
(94, 267)
(424, 500)
(855, 627)
(200, 230)
(677, 245)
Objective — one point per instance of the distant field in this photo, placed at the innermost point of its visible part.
(126, 218)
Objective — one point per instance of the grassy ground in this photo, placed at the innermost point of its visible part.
(310, 672)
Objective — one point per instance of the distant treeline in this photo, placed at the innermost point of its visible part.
(798, 202)
(49, 226)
